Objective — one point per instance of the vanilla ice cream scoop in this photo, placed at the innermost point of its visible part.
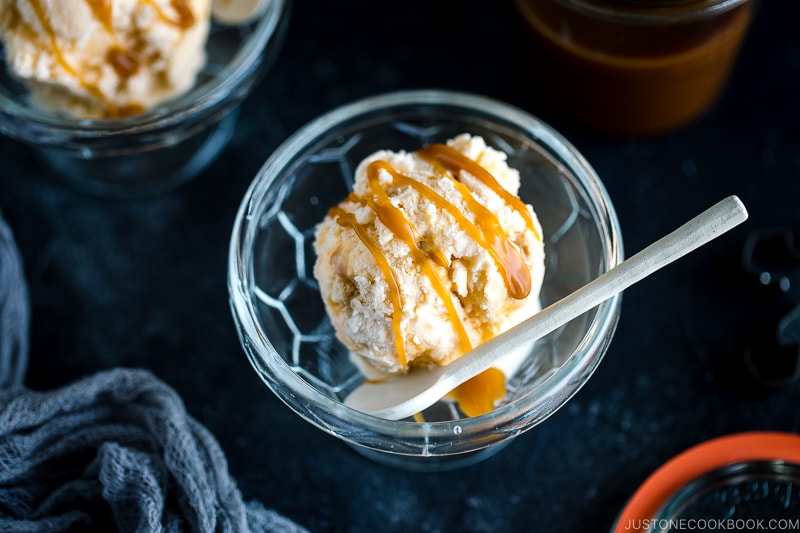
(430, 255)
(104, 59)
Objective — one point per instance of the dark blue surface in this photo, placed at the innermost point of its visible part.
(141, 283)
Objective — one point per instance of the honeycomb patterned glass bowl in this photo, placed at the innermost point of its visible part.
(166, 146)
(280, 316)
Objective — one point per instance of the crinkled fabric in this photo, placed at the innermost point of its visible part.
(115, 451)
(14, 313)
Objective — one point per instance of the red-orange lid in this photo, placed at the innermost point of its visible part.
(732, 453)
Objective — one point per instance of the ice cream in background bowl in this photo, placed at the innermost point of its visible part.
(397, 232)
(131, 97)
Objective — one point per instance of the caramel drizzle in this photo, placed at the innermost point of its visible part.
(185, 17)
(40, 14)
(486, 231)
(124, 62)
(393, 218)
(347, 219)
(454, 160)
(102, 12)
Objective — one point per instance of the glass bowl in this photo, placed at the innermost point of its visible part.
(279, 313)
(166, 146)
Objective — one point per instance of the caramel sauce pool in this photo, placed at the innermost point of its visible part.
(478, 395)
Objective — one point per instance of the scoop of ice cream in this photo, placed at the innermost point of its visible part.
(430, 255)
(104, 59)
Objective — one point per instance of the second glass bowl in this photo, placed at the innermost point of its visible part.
(280, 316)
(164, 147)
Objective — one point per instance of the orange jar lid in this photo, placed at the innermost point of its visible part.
(751, 468)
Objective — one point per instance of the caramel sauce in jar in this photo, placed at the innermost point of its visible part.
(637, 67)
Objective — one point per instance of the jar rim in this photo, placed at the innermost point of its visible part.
(652, 11)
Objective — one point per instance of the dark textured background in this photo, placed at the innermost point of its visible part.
(141, 283)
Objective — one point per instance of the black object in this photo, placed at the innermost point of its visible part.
(772, 355)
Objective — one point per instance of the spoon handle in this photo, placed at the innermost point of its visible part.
(703, 228)
(413, 392)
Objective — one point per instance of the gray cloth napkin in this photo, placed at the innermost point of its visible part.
(14, 313)
(115, 451)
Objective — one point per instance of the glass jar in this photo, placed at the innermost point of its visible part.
(635, 67)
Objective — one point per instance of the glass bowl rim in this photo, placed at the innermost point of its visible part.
(178, 111)
(559, 387)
